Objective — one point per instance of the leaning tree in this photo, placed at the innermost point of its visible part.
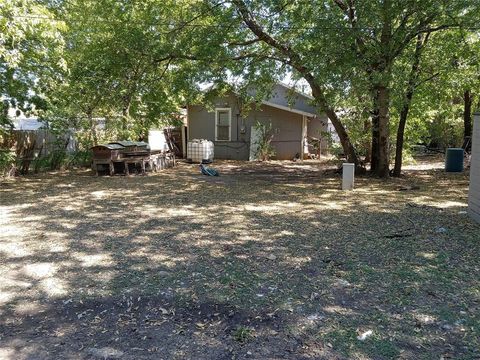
(337, 46)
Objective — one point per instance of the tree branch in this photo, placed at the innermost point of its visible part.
(351, 14)
(244, 43)
(295, 60)
(423, 81)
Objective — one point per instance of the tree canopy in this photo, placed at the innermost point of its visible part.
(31, 47)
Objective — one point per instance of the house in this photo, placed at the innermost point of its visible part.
(474, 191)
(291, 114)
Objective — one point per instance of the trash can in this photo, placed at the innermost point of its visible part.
(454, 160)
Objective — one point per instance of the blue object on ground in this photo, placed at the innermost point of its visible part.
(208, 171)
(454, 160)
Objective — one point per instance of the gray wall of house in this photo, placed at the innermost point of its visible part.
(474, 192)
(287, 127)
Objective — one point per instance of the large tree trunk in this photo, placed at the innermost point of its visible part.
(467, 114)
(412, 83)
(380, 132)
(397, 170)
(381, 96)
(382, 169)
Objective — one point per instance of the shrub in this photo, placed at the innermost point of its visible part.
(7, 163)
(53, 161)
(265, 150)
(78, 159)
(336, 150)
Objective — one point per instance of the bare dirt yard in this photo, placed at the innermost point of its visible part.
(267, 261)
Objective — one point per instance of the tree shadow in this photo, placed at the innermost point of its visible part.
(248, 265)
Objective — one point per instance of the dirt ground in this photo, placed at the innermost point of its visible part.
(267, 261)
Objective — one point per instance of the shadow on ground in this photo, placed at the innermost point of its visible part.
(267, 261)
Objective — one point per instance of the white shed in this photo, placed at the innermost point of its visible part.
(474, 192)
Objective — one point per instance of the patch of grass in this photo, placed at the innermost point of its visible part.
(380, 348)
(243, 334)
(345, 341)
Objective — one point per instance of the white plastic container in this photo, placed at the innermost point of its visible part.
(200, 150)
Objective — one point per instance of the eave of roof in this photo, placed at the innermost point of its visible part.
(295, 90)
(286, 108)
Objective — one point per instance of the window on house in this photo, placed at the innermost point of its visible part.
(223, 120)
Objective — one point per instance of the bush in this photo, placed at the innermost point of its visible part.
(56, 159)
(78, 159)
(59, 159)
(7, 163)
(265, 150)
(336, 150)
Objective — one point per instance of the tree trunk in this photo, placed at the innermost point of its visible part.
(348, 148)
(467, 114)
(367, 127)
(381, 96)
(412, 83)
(397, 170)
(295, 60)
(93, 127)
(380, 132)
(125, 114)
(375, 124)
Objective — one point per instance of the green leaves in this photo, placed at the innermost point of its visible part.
(133, 64)
(31, 45)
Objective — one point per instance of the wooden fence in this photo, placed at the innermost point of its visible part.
(28, 145)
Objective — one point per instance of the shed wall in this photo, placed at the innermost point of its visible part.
(474, 192)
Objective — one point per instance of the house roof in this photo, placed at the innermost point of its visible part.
(286, 98)
(287, 108)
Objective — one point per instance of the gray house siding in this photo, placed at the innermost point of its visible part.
(287, 130)
(201, 125)
(286, 125)
(474, 192)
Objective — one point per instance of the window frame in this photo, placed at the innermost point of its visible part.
(217, 110)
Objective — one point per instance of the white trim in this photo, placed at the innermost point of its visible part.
(288, 109)
(229, 123)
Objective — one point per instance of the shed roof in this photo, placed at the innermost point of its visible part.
(109, 146)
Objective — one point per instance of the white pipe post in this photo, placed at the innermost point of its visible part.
(348, 175)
